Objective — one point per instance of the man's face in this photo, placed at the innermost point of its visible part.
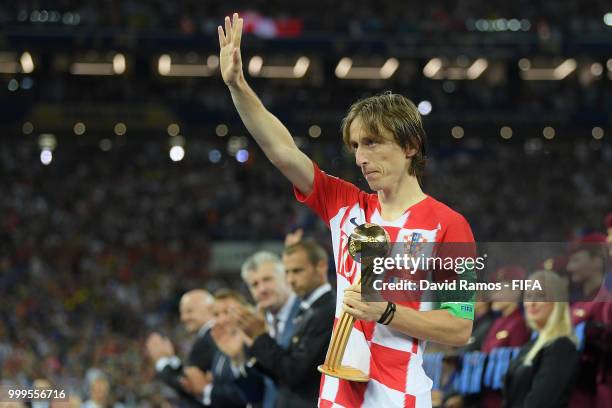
(382, 161)
(99, 391)
(221, 312)
(194, 313)
(303, 276)
(581, 266)
(267, 287)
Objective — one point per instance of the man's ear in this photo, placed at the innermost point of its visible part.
(322, 267)
(410, 152)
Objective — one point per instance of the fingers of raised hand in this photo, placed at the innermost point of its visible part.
(228, 30)
(237, 30)
(222, 39)
(233, 31)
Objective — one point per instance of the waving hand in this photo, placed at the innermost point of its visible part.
(229, 43)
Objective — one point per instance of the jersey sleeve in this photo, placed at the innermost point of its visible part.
(458, 242)
(328, 195)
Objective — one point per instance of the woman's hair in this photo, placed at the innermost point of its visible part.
(558, 323)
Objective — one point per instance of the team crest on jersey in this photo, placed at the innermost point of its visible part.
(414, 242)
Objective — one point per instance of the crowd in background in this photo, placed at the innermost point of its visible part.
(362, 17)
(98, 246)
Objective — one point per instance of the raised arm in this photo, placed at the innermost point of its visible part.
(269, 133)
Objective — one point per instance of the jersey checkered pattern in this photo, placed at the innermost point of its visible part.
(392, 359)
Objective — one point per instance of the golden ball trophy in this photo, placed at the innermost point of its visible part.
(379, 241)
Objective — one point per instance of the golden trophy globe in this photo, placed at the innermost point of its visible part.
(366, 242)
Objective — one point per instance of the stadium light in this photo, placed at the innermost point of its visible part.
(47, 143)
(177, 153)
(548, 132)
(255, 65)
(343, 67)
(79, 128)
(173, 129)
(432, 68)
(346, 70)
(214, 156)
(462, 69)
(118, 64)
(477, 68)
(167, 67)
(314, 131)
(164, 64)
(120, 129)
(93, 65)
(257, 68)
(597, 133)
(9, 64)
(555, 73)
(27, 128)
(424, 108)
(567, 67)
(457, 132)
(46, 156)
(27, 63)
(242, 156)
(389, 68)
(506, 132)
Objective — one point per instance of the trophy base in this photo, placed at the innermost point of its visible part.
(344, 373)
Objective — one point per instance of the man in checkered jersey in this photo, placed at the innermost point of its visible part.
(386, 134)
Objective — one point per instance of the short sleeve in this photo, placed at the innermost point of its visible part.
(458, 230)
(329, 194)
(458, 242)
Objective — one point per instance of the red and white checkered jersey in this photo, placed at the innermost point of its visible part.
(392, 359)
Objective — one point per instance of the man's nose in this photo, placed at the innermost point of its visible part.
(360, 157)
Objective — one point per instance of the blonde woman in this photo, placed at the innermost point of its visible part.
(543, 372)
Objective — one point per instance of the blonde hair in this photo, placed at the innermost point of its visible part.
(559, 323)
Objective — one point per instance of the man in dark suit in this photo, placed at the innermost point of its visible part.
(264, 275)
(196, 315)
(294, 369)
(206, 366)
(217, 387)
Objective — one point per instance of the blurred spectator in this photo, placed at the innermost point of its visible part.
(98, 393)
(264, 275)
(543, 374)
(509, 330)
(216, 388)
(294, 369)
(608, 224)
(360, 19)
(483, 319)
(592, 316)
(587, 267)
(196, 315)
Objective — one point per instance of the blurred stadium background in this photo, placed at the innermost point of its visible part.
(127, 176)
